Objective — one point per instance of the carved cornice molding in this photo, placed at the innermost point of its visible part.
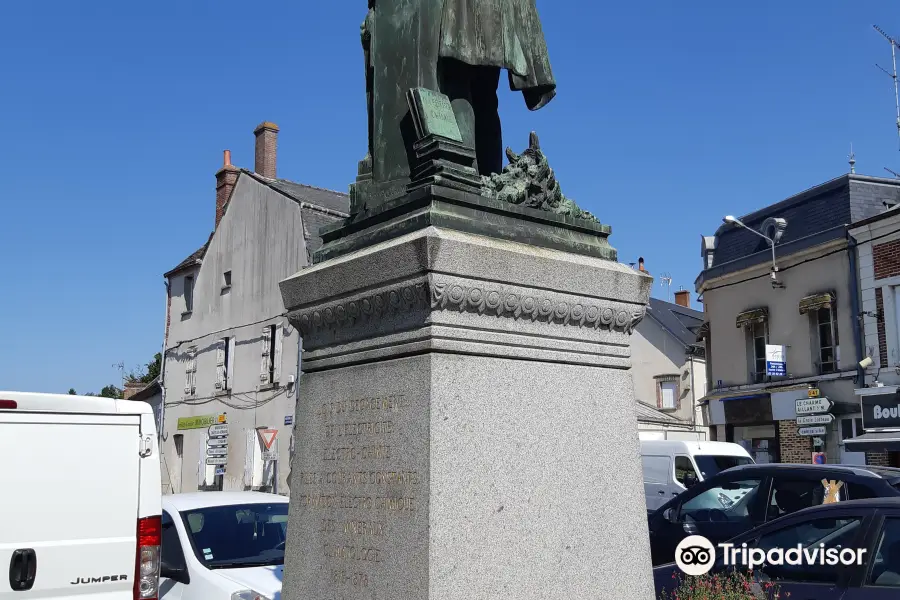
(374, 305)
(536, 306)
(490, 299)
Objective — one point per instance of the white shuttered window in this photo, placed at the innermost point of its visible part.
(276, 371)
(190, 372)
(265, 345)
(221, 345)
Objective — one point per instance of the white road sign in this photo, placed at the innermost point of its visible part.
(218, 430)
(815, 419)
(217, 441)
(216, 451)
(810, 431)
(217, 460)
(811, 406)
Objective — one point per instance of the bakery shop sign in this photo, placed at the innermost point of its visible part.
(881, 412)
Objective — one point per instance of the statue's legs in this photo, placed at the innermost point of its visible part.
(473, 94)
(488, 133)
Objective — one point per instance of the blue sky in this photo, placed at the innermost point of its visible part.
(114, 116)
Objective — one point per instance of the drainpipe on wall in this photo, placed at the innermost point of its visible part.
(162, 373)
(854, 308)
(693, 395)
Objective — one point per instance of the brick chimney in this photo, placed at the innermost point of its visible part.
(225, 180)
(266, 149)
(683, 298)
(641, 264)
(132, 388)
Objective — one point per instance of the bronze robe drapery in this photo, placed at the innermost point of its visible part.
(501, 33)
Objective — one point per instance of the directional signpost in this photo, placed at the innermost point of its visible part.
(811, 431)
(813, 406)
(815, 419)
(217, 446)
(218, 431)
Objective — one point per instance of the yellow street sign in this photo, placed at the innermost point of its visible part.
(812, 393)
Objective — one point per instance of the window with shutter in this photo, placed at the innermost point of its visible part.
(190, 372)
(220, 364)
(266, 359)
(668, 391)
(229, 364)
(276, 372)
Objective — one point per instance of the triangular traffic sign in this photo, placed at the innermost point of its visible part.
(268, 437)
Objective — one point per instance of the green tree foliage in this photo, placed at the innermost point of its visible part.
(148, 372)
(144, 375)
(111, 391)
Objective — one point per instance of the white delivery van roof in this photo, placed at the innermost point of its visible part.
(694, 448)
(65, 403)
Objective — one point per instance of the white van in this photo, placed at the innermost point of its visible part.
(81, 506)
(670, 467)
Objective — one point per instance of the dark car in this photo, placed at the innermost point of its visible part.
(739, 499)
(872, 525)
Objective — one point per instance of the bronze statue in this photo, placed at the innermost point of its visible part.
(365, 32)
(477, 39)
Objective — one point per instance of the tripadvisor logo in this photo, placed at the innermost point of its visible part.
(696, 555)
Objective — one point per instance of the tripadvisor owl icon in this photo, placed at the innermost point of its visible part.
(695, 555)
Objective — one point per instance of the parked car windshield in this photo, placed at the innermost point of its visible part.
(710, 465)
(241, 535)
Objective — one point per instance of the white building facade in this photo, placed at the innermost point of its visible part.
(669, 371)
(231, 357)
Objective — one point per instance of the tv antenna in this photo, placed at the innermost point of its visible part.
(666, 280)
(892, 172)
(892, 74)
(121, 367)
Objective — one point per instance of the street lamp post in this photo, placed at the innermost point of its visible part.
(780, 225)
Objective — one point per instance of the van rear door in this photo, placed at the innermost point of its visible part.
(657, 473)
(70, 502)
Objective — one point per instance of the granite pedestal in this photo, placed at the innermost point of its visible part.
(465, 424)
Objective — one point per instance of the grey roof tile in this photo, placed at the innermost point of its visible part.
(310, 198)
(814, 216)
(299, 192)
(647, 412)
(680, 321)
(193, 259)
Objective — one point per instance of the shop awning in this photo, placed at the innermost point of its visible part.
(881, 441)
(816, 301)
(756, 315)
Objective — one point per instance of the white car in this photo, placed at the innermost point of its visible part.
(223, 546)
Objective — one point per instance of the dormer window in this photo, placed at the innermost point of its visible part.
(707, 250)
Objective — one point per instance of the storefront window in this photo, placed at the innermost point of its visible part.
(763, 450)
